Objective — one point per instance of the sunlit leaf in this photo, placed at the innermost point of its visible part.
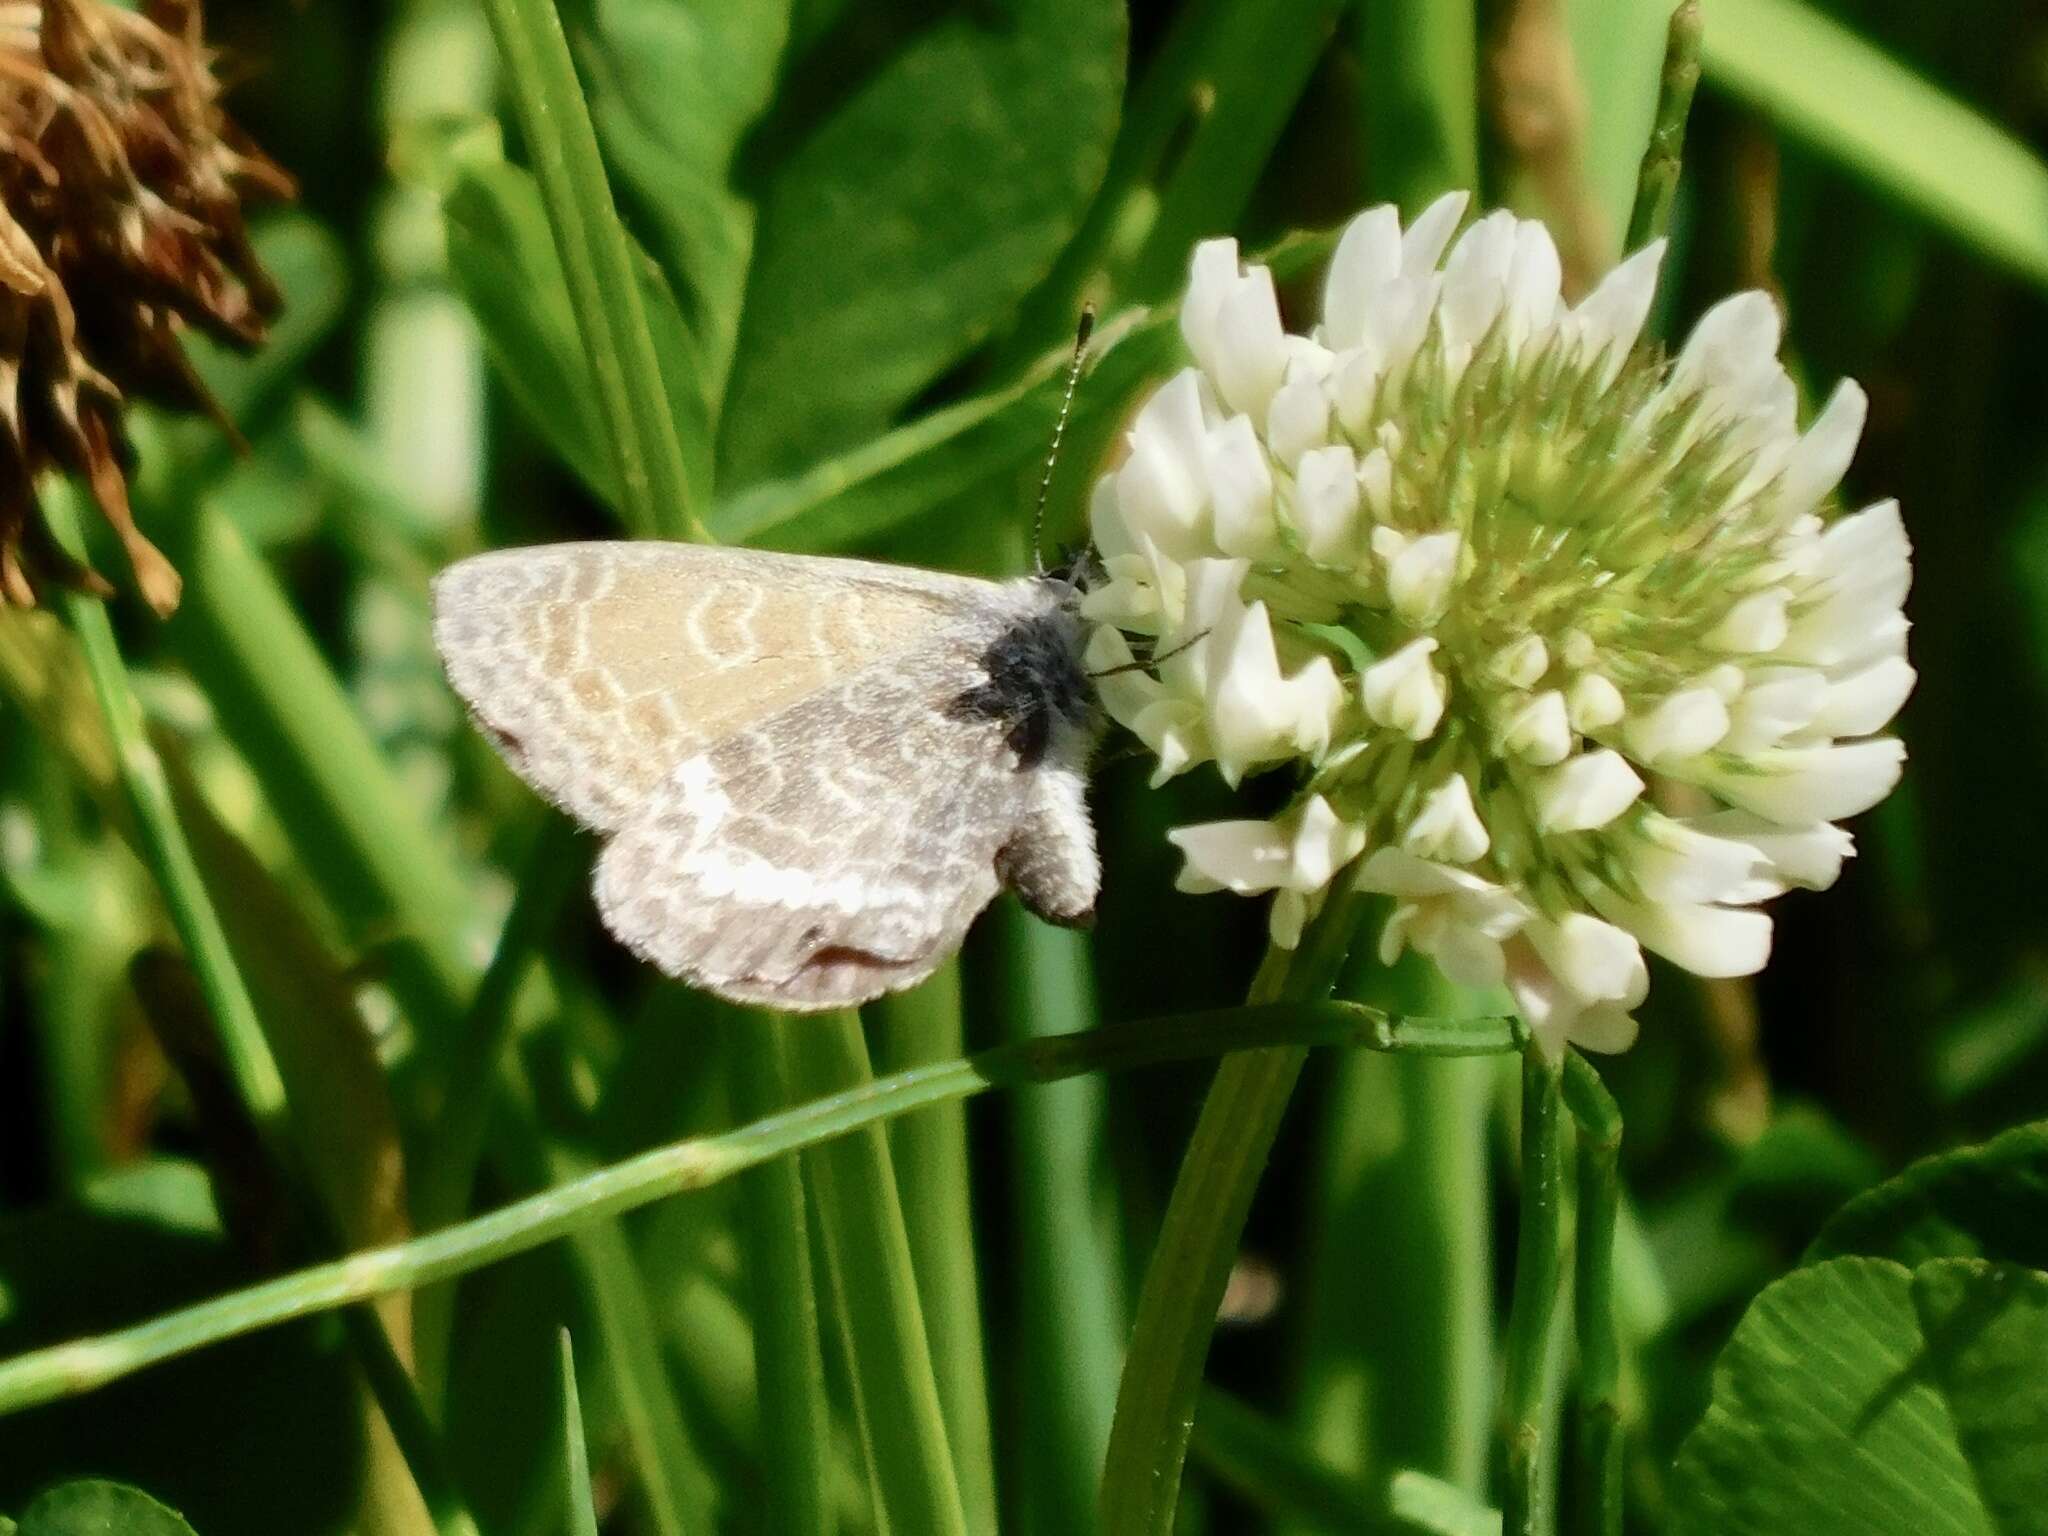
(1983, 1202)
(921, 175)
(95, 1508)
(1883, 122)
(502, 256)
(1861, 1397)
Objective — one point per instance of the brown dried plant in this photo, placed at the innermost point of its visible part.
(122, 190)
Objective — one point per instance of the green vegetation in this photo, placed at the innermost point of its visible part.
(329, 1116)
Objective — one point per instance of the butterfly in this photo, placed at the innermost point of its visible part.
(810, 774)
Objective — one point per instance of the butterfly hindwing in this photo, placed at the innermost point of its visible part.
(834, 851)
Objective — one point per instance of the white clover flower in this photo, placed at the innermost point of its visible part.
(1486, 571)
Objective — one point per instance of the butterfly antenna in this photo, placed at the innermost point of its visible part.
(1082, 332)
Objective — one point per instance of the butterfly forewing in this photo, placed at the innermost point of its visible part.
(596, 668)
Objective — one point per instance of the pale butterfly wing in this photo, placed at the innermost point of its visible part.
(810, 789)
(834, 851)
(596, 668)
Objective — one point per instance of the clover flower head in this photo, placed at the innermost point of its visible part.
(1488, 572)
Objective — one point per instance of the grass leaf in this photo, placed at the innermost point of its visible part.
(1880, 121)
(582, 1511)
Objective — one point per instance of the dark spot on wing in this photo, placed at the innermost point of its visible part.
(505, 741)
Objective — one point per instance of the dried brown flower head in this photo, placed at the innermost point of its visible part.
(122, 185)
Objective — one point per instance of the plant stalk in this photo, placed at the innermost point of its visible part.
(86, 1364)
(1533, 1316)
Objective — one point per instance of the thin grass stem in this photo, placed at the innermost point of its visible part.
(1205, 1216)
(1598, 1119)
(598, 266)
(1657, 182)
(1534, 1316)
(86, 1364)
(782, 1300)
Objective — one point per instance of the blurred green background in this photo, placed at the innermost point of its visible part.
(864, 232)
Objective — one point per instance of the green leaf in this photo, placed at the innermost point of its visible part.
(674, 85)
(941, 174)
(501, 254)
(980, 457)
(1982, 1202)
(1860, 1396)
(96, 1508)
(1879, 120)
(975, 457)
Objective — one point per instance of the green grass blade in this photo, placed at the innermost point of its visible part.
(1534, 1316)
(789, 1366)
(161, 842)
(1212, 1195)
(1261, 1461)
(165, 850)
(680, 1490)
(582, 1511)
(353, 825)
(1067, 1283)
(932, 1170)
(1256, 1457)
(1598, 1119)
(1880, 121)
(700, 1162)
(598, 263)
(1259, 61)
(448, 1161)
(1420, 100)
(860, 1214)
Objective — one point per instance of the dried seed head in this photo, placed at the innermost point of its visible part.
(122, 188)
